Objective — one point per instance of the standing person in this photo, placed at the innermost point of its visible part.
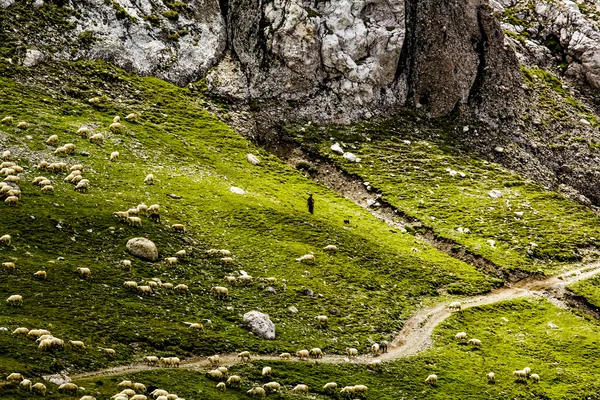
(310, 202)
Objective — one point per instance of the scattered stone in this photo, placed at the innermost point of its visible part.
(336, 148)
(308, 292)
(519, 214)
(552, 326)
(465, 129)
(499, 149)
(271, 289)
(335, 311)
(407, 142)
(3, 329)
(537, 121)
(32, 57)
(584, 121)
(174, 196)
(495, 194)
(252, 159)
(293, 309)
(236, 190)
(492, 243)
(143, 248)
(57, 379)
(350, 157)
(260, 324)
(85, 154)
(6, 3)
(37, 4)
(61, 259)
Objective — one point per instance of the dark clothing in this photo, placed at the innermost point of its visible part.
(310, 202)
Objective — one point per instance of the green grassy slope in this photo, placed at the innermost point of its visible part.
(368, 288)
(416, 166)
(589, 289)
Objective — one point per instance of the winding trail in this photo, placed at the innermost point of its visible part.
(415, 337)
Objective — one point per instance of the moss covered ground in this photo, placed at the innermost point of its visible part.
(588, 289)
(420, 170)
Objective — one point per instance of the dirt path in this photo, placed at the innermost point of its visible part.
(415, 337)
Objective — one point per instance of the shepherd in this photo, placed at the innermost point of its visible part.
(310, 202)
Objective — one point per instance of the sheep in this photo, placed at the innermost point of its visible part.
(330, 387)
(131, 117)
(302, 354)
(244, 279)
(455, 306)
(52, 139)
(61, 151)
(460, 336)
(57, 343)
(116, 127)
(520, 375)
(154, 208)
(83, 131)
(351, 352)
(83, 185)
(94, 100)
(134, 221)
(181, 253)
(167, 286)
(130, 284)
(12, 179)
(285, 356)
(474, 342)
(45, 344)
(6, 155)
(114, 155)
(39, 388)
(215, 374)
(491, 377)
(272, 280)
(307, 258)
(15, 377)
(7, 164)
(527, 370)
(17, 169)
(70, 148)
(108, 351)
(7, 120)
(15, 299)
(87, 398)
(244, 355)
(179, 228)
(300, 388)
(322, 319)
(220, 291)
(12, 200)
(35, 333)
(138, 397)
(316, 353)
(126, 264)
(347, 390)
(266, 371)
(68, 387)
(257, 392)
(97, 138)
(77, 344)
(172, 361)
(26, 384)
(360, 389)
(144, 289)
(272, 386)
(142, 208)
(40, 274)
(234, 380)
(48, 336)
(171, 260)
(375, 349)
(221, 386)
(48, 189)
(535, 377)
(149, 179)
(213, 360)
(197, 325)
(8, 266)
(226, 260)
(431, 379)
(331, 248)
(84, 272)
(230, 278)
(122, 215)
(375, 364)
(172, 396)
(223, 370)
(151, 360)
(45, 182)
(5, 239)
(20, 331)
(22, 125)
(181, 288)
(133, 211)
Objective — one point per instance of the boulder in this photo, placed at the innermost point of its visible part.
(260, 324)
(143, 248)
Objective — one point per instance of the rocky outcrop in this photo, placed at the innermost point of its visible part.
(260, 324)
(143, 248)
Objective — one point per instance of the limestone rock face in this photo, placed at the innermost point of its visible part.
(143, 248)
(260, 324)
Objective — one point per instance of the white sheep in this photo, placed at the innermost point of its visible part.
(134, 221)
(52, 139)
(26, 384)
(455, 306)
(35, 333)
(360, 389)
(257, 392)
(131, 117)
(39, 388)
(474, 342)
(84, 272)
(126, 384)
(15, 299)
(87, 398)
(94, 100)
(154, 208)
(77, 344)
(272, 386)
(226, 260)
(491, 377)
(181, 254)
(116, 127)
(221, 386)
(15, 377)
(68, 387)
(216, 374)
(21, 331)
(7, 120)
(179, 228)
(8, 266)
(520, 375)
(266, 371)
(244, 279)
(302, 354)
(122, 215)
(220, 291)
(197, 325)
(167, 285)
(181, 288)
(234, 380)
(142, 208)
(316, 352)
(126, 264)
(12, 200)
(307, 258)
(460, 336)
(149, 179)
(97, 138)
(151, 360)
(114, 155)
(12, 179)
(144, 289)
(351, 352)
(375, 349)
(322, 319)
(285, 356)
(535, 377)
(60, 150)
(83, 131)
(108, 351)
(252, 159)
(223, 370)
(48, 189)
(331, 248)
(40, 274)
(22, 125)
(5, 239)
(6, 155)
(300, 388)
(330, 387)
(138, 397)
(214, 360)
(431, 379)
(527, 370)
(244, 355)
(70, 148)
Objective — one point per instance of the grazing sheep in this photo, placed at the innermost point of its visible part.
(70, 148)
(226, 260)
(142, 208)
(122, 215)
(214, 360)
(8, 266)
(220, 291)
(266, 371)
(181, 288)
(330, 387)
(221, 386)
(126, 384)
(272, 386)
(83, 131)
(6, 155)
(179, 228)
(455, 306)
(138, 397)
(15, 377)
(234, 380)
(351, 352)
(130, 284)
(48, 189)
(197, 325)
(22, 125)
(375, 349)
(167, 286)
(36, 333)
(40, 274)
(307, 258)
(114, 155)
(52, 139)
(460, 336)
(87, 398)
(331, 248)
(520, 375)
(347, 390)
(152, 284)
(491, 377)
(316, 353)
(133, 211)
(215, 374)
(360, 389)
(77, 344)
(68, 387)
(300, 388)
(61, 151)
(116, 127)
(108, 351)
(181, 253)
(527, 370)
(15, 299)
(26, 384)
(257, 392)
(244, 355)
(535, 377)
(45, 182)
(302, 354)
(131, 117)
(154, 208)
(12, 200)
(5, 239)
(17, 169)
(97, 138)
(223, 370)
(12, 179)
(7, 120)
(375, 364)
(474, 342)
(84, 272)
(322, 319)
(171, 260)
(39, 388)
(252, 159)
(230, 278)
(20, 331)
(94, 100)
(151, 360)
(126, 264)
(134, 221)
(285, 356)
(244, 279)
(45, 344)
(149, 179)
(144, 290)
(431, 379)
